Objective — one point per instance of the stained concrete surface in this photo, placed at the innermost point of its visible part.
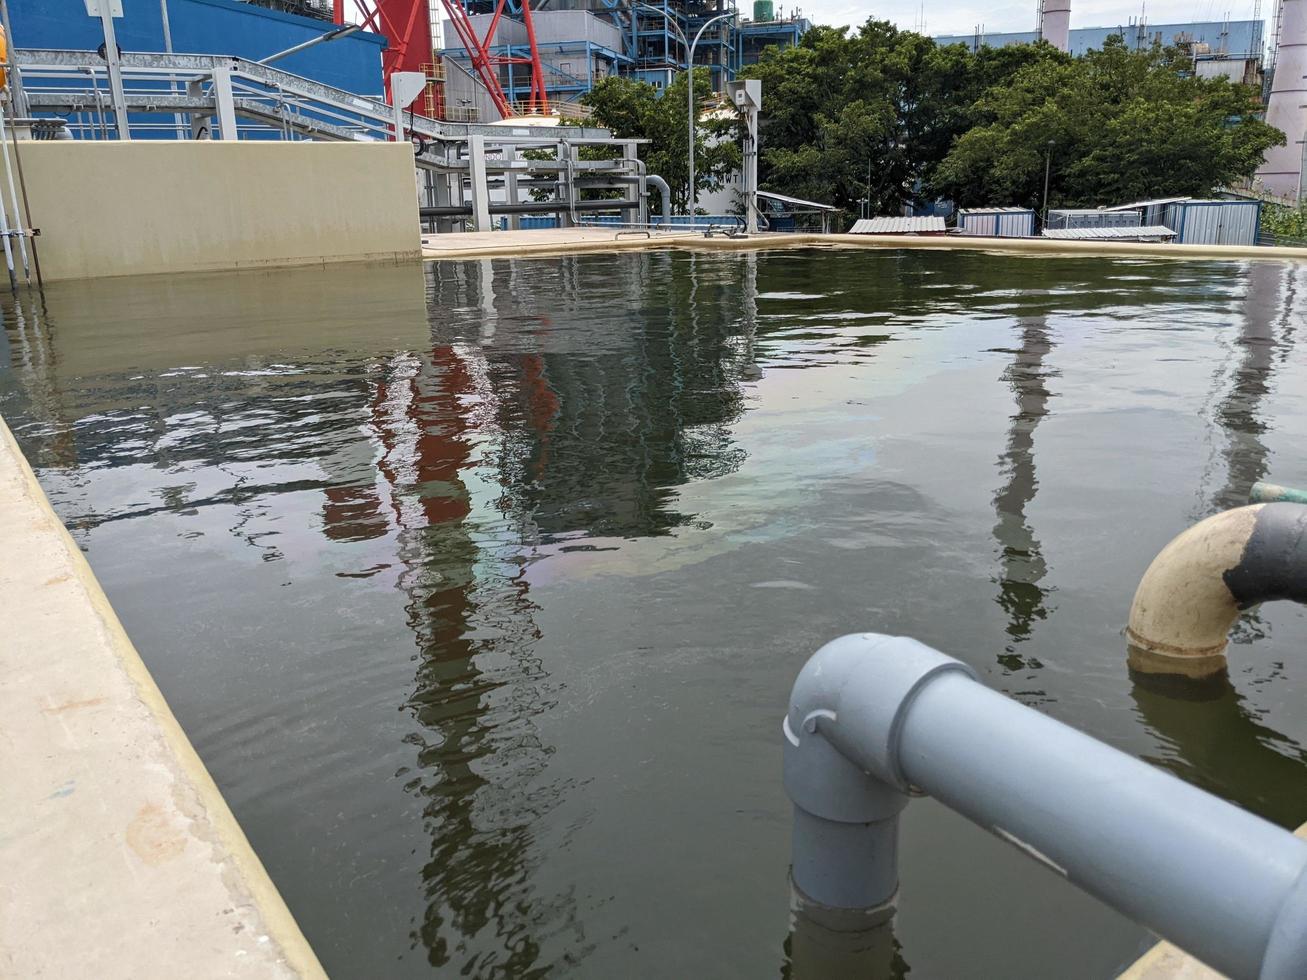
(120, 857)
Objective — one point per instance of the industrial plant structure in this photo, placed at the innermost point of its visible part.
(572, 44)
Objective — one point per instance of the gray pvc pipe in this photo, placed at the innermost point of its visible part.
(666, 195)
(872, 717)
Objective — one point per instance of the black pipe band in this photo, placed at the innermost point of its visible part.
(1274, 560)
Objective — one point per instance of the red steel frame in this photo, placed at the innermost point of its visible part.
(407, 25)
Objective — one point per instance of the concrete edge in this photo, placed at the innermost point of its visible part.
(281, 925)
(1030, 246)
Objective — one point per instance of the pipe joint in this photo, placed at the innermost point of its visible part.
(1194, 589)
(847, 708)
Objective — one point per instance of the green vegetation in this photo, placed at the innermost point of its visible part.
(890, 115)
(633, 108)
(1285, 223)
(1123, 125)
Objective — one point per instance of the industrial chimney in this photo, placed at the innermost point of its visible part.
(1055, 23)
(1281, 174)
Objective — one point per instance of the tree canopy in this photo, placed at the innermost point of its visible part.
(1113, 126)
(876, 109)
(633, 108)
(889, 115)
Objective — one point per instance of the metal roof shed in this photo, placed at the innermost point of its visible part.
(997, 222)
(921, 225)
(1145, 233)
(782, 210)
(1215, 222)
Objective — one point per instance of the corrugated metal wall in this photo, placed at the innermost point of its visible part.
(352, 63)
(1008, 223)
(1214, 222)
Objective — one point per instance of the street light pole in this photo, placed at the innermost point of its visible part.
(689, 88)
(1048, 160)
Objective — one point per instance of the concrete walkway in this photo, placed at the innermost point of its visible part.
(119, 856)
(562, 241)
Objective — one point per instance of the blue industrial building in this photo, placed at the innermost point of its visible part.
(223, 27)
(580, 46)
(1229, 39)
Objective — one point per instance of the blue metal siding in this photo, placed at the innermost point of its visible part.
(352, 63)
(1215, 222)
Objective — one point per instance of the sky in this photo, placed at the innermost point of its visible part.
(962, 16)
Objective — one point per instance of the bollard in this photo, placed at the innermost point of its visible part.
(874, 718)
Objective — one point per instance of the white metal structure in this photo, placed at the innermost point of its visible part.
(1147, 233)
(898, 226)
(1286, 109)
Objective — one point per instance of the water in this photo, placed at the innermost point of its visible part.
(480, 590)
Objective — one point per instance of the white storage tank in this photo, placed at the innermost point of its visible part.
(997, 222)
(1214, 222)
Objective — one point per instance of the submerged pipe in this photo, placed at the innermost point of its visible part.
(1269, 493)
(873, 718)
(1198, 584)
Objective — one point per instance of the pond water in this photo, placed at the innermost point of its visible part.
(480, 589)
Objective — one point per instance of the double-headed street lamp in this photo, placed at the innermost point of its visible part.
(693, 197)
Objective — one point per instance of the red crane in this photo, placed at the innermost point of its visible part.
(407, 26)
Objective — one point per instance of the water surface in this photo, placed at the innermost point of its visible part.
(480, 588)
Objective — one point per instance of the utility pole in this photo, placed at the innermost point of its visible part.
(1048, 160)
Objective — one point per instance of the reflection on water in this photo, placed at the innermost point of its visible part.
(1020, 594)
(470, 583)
(1208, 733)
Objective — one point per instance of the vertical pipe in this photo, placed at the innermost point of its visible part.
(19, 95)
(9, 255)
(27, 210)
(13, 201)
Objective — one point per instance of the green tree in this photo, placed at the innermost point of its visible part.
(1286, 222)
(632, 108)
(1123, 125)
(872, 113)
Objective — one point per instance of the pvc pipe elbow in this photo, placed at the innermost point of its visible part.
(852, 695)
(1195, 588)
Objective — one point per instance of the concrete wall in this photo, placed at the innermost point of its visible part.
(121, 859)
(114, 209)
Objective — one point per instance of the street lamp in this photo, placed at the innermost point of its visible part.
(1048, 160)
(689, 71)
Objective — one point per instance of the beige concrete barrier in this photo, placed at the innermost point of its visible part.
(562, 241)
(120, 857)
(112, 209)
